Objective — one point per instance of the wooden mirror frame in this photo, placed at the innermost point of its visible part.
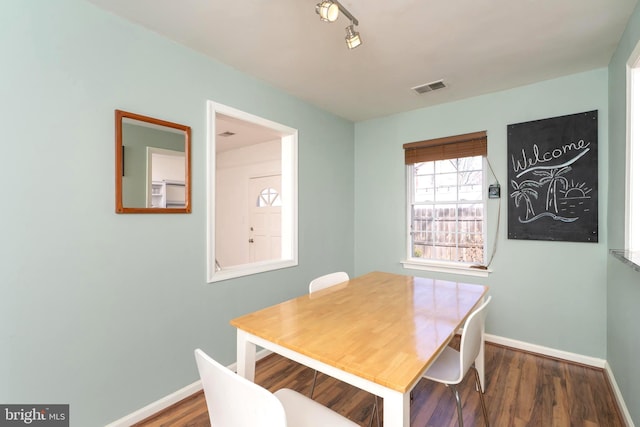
(120, 208)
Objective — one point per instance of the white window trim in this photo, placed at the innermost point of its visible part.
(445, 267)
(289, 193)
(632, 198)
(438, 266)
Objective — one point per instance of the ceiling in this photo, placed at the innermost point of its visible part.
(233, 133)
(475, 46)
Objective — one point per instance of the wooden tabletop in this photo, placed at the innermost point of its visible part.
(383, 327)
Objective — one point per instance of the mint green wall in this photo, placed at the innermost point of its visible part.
(103, 311)
(546, 293)
(623, 295)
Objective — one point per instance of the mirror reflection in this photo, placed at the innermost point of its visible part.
(152, 165)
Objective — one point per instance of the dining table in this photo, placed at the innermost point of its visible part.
(379, 332)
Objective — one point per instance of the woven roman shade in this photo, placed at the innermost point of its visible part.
(451, 147)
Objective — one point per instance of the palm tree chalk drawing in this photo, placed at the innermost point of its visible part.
(553, 174)
(524, 191)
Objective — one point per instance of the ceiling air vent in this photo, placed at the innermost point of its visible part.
(226, 133)
(439, 84)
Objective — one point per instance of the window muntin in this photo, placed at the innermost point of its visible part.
(269, 197)
(447, 211)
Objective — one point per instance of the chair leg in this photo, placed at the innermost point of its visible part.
(484, 407)
(454, 389)
(375, 412)
(313, 385)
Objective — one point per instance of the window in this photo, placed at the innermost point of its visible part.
(251, 196)
(269, 197)
(446, 224)
(632, 221)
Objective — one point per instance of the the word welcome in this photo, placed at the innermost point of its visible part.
(533, 162)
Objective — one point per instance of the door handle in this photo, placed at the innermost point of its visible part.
(250, 240)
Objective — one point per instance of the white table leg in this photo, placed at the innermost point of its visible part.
(397, 410)
(246, 355)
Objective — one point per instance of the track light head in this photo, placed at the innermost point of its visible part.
(328, 10)
(353, 37)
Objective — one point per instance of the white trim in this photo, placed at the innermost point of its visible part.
(289, 191)
(249, 269)
(571, 357)
(632, 228)
(618, 394)
(628, 135)
(546, 351)
(443, 267)
(439, 266)
(157, 406)
(151, 151)
(175, 397)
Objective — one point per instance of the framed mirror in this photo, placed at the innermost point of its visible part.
(153, 165)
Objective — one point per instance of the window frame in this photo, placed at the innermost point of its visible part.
(632, 171)
(444, 266)
(452, 145)
(289, 195)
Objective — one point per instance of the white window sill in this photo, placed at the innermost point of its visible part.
(445, 267)
(631, 258)
(249, 269)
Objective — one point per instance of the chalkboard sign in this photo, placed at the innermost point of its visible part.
(553, 178)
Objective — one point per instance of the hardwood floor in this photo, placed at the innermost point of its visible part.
(522, 390)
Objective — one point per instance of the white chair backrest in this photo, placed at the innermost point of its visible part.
(472, 337)
(234, 401)
(327, 280)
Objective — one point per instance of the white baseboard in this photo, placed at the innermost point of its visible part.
(546, 351)
(165, 402)
(571, 357)
(616, 391)
(157, 406)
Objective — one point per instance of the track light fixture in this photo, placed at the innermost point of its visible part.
(329, 11)
(352, 38)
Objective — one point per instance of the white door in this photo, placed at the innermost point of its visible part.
(265, 205)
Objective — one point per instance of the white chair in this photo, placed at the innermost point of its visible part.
(451, 365)
(327, 280)
(318, 284)
(233, 401)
